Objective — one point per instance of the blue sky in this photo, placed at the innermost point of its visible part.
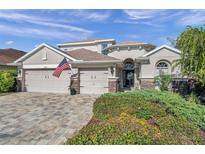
(25, 29)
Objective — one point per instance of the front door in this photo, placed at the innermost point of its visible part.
(128, 74)
(128, 78)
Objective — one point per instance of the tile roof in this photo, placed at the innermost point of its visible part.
(87, 40)
(146, 46)
(10, 55)
(88, 55)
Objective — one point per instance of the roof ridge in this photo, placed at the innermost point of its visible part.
(88, 55)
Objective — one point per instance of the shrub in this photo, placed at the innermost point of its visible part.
(109, 106)
(174, 104)
(7, 80)
(178, 129)
(127, 129)
(192, 98)
(142, 117)
(164, 81)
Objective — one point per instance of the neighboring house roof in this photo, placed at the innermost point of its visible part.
(147, 46)
(48, 46)
(161, 47)
(9, 55)
(88, 55)
(84, 42)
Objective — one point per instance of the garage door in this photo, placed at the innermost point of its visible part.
(44, 81)
(93, 81)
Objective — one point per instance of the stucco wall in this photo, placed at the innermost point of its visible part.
(37, 58)
(148, 70)
(125, 53)
(94, 47)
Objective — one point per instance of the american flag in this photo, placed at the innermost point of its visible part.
(62, 66)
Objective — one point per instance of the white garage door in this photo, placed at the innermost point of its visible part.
(93, 81)
(44, 81)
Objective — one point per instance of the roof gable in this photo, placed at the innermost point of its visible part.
(161, 47)
(41, 46)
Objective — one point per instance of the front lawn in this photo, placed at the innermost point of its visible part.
(143, 117)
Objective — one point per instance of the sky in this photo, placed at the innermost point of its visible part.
(26, 29)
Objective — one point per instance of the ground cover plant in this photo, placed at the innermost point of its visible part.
(143, 117)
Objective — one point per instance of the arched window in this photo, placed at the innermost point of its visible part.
(129, 66)
(162, 67)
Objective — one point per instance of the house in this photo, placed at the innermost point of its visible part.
(8, 56)
(99, 66)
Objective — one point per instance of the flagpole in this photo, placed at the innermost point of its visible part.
(71, 69)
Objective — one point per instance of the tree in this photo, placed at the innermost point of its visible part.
(191, 42)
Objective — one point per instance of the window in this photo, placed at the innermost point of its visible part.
(128, 66)
(162, 67)
(104, 45)
(44, 56)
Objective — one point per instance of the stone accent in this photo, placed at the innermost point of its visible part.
(147, 83)
(75, 86)
(113, 84)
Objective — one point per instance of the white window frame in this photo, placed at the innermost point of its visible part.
(165, 69)
(44, 56)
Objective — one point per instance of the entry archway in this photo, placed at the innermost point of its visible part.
(128, 73)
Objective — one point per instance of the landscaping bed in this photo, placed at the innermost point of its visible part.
(143, 117)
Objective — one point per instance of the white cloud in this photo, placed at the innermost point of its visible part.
(92, 15)
(193, 17)
(142, 14)
(148, 23)
(125, 21)
(41, 32)
(9, 42)
(142, 17)
(19, 17)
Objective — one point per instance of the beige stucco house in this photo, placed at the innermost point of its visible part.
(99, 66)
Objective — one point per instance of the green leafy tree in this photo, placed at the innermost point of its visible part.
(191, 42)
(7, 81)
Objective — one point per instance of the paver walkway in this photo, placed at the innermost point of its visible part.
(40, 118)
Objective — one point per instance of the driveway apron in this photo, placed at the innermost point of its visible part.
(43, 118)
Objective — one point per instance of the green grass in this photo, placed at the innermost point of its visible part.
(143, 117)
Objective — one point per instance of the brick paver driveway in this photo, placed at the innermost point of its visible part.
(39, 118)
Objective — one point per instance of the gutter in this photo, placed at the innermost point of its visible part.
(84, 43)
(97, 62)
(8, 64)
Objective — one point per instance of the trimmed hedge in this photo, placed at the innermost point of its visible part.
(7, 80)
